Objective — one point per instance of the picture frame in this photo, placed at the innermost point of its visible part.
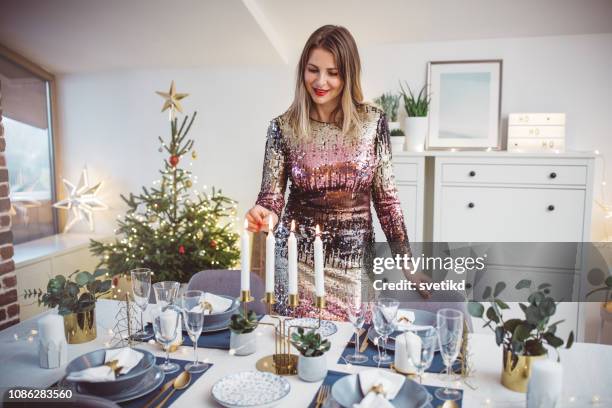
(465, 105)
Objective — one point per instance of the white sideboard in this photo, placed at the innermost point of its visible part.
(500, 197)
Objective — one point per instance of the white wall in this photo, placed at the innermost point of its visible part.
(110, 121)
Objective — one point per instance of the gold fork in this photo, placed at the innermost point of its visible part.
(322, 395)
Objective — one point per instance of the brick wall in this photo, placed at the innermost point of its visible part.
(9, 307)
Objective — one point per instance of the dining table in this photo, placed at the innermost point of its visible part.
(587, 368)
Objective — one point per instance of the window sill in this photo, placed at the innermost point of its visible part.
(54, 245)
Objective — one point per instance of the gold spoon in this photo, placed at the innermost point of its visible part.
(449, 404)
(181, 382)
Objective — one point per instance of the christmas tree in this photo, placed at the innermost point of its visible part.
(171, 228)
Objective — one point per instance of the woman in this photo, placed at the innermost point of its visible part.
(335, 150)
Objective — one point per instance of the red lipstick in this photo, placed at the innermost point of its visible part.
(320, 92)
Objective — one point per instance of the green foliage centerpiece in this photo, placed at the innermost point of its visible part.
(171, 228)
(522, 339)
(243, 340)
(312, 364)
(75, 297)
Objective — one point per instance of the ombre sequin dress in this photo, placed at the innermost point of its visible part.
(334, 179)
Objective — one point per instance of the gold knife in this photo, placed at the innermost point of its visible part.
(360, 333)
(364, 345)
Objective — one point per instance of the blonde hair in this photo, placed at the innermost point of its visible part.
(341, 44)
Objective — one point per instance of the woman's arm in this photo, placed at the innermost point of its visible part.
(274, 177)
(384, 193)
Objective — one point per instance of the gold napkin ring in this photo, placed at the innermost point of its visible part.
(114, 365)
(378, 389)
(206, 306)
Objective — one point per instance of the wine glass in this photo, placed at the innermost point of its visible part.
(385, 312)
(165, 293)
(167, 328)
(356, 311)
(141, 289)
(429, 340)
(194, 320)
(450, 334)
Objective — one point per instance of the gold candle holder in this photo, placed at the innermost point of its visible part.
(269, 298)
(245, 299)
(294, 301)
(320, 303)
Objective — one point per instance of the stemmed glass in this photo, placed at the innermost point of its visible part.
(165, 293)
(356, 314)
(429, 340)
(167, 328)
(141, 289)
(450, 333)
(385, 312)
(194, 320)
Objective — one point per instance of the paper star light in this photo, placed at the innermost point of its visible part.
(82, 201)
(172, 99)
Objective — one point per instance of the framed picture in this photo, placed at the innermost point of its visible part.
(465, 106)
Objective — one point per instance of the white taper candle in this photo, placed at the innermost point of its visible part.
(292, 249)
(318, 264)
(270, 254)
(245, 258)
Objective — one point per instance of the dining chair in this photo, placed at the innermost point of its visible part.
(227, 282)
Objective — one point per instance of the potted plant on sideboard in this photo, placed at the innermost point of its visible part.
(523, 340)
(243, 340)
(389, 103)
(397, 140)
(312, 362)
(75, 296)
(416, 124)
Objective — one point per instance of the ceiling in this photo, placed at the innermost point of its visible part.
(73, 36)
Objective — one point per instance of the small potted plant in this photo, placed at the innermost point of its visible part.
(397, 140)
(416, 123)
(75, 297)
(243, 340)
(312, 363)
(389, 103)
(523, 340)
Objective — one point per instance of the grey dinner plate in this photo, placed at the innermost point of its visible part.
(153, 379)
(346, 392)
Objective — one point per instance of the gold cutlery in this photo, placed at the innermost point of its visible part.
(449, 404)
(180, 383)
(364, 345)
(164, 388)
(322, 395)
(114, 365)
(360, 333)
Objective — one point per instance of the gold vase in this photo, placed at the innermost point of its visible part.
(517, 379)
(80, 327)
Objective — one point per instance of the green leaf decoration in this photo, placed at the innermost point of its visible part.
(487, 293)
(501, 304)
(475, 309)
(522, 284)
(499, 288)
(499, 335)
(491, 315)
(83, 278)
(570, 340)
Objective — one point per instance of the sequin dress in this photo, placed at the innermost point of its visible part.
(334, 180)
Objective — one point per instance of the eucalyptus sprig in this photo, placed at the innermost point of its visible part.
(75, 293)
(415, 107)
(521, 336)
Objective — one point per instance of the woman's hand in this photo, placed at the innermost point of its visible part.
(259, 217)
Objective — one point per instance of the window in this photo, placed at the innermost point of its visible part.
(29, 150)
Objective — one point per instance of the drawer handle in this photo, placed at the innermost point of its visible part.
(551, 208)
(471, 205)
(472, 173)
(553, 175)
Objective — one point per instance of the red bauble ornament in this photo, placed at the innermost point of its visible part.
(181, 250)
(174, 160)
(213, 244)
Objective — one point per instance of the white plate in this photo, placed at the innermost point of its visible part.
(250, 389)
(327, 328)
(346, 392)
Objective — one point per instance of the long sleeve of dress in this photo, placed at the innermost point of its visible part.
(384, 193)
(274, 176)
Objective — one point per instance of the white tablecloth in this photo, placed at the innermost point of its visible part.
(587, 367)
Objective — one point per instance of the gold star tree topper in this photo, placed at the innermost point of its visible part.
(172, 99)
(82, 201)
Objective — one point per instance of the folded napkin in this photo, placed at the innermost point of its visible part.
(404, 321)
(217, 303)
(379, 387)
(126, 358)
